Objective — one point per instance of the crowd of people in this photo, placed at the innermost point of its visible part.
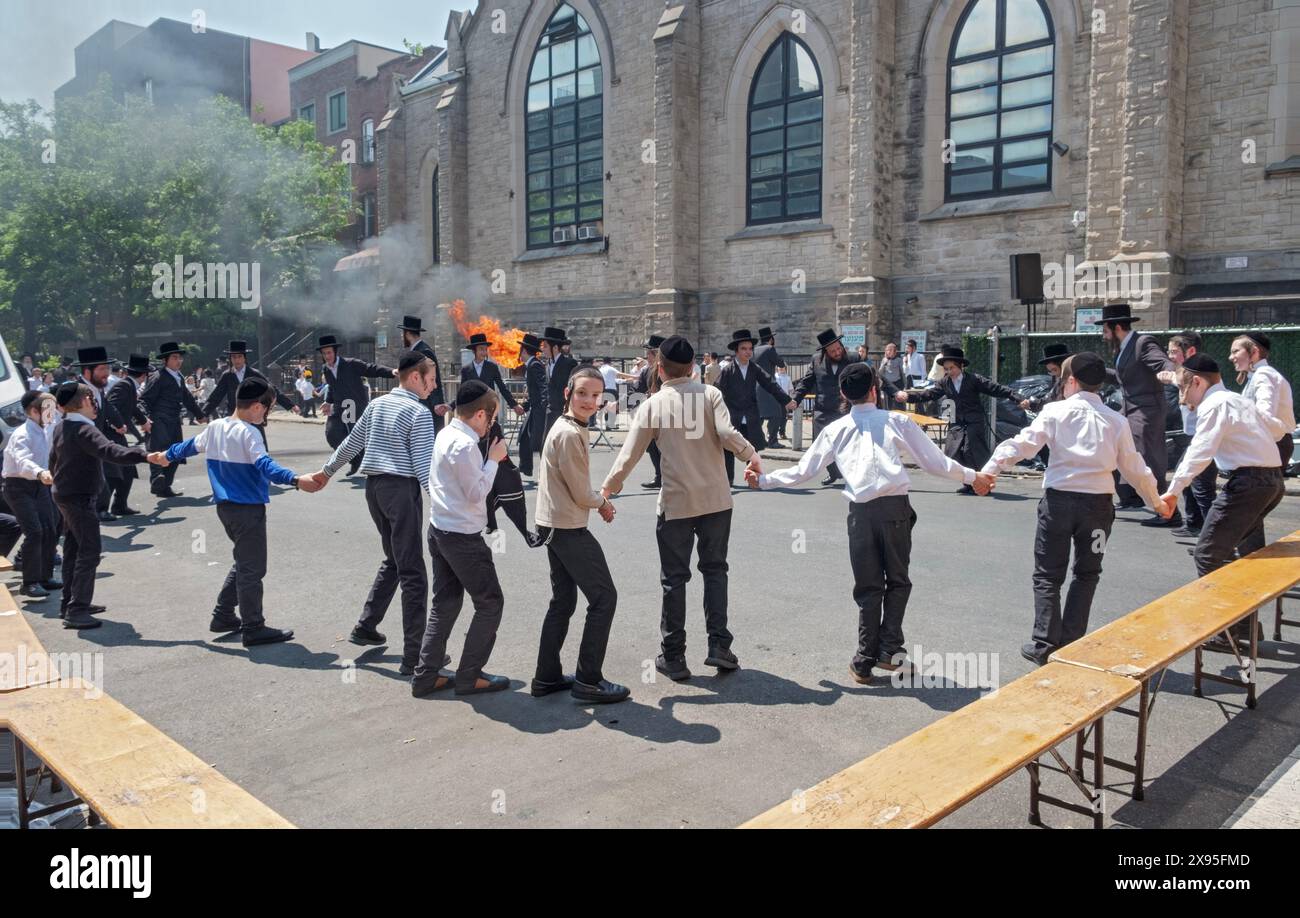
(71, 463)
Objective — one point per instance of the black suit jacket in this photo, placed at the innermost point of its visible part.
(740, 393)
(970, 408)
(437, 396)
(560, 372)
(228, 386)
(1136, 374)
(124, 398)
(491, 377)
(347, 385)
(822, 381)
(535, 379)
(767, 357)
(162, 400)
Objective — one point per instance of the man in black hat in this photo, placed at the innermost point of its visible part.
(162, 399)
(1053, 356)
(413, 337)
(124, 398)
(1087, 443)
(1138, 358)
(559, 366)
(769, 409)
(486, 371)
(644, 383)
(823, 382)
(532, 434)
(739, 382)
(223, 396)
(968, 437)
(348, 395)
(93, 368)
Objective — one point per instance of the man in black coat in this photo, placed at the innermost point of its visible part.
(739, 382)
(968, 436)
(92, 368)
(124, 398)
(162, 400)
(560, 366)
(822, 381)
(348, 395)
(1138, 359)
(412, 336)
(769, 409)
(223, 396)
(532, 435)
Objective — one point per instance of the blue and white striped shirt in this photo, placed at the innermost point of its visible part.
(396, 431)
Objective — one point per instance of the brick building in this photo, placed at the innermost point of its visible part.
(618, 167)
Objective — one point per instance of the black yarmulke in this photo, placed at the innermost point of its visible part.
(251, 389)
(856, 380)
(66, 393)
(408, 359)
(1200, 363)
(677, 349)
(1088, 368)
(471, 391)
(1260, 339)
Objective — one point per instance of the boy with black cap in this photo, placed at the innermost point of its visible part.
(240, 471)
(692, 426)
(459, 482)
(1231, 432)
(78, 452)
(868, 444)
(1087, 443)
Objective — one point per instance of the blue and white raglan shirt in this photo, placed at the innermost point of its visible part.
(239, 467)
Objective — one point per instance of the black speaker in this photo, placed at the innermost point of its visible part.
(1027, 277)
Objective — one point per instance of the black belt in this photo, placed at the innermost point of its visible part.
(1258, 471)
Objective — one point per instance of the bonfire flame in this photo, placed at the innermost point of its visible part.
(503, 343)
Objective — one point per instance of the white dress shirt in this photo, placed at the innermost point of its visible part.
(1230, 431)
(459, 480)
(1271, 393)
(1088, 442)
(27, 453)
(914, 365)
(868, 446)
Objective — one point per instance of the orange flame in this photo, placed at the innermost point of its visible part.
(503, 343)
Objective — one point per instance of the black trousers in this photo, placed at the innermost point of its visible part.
(34, 510)
(820, 421)
(577, 563)
(120, 490)
(507, 488)
(461, 563)
(1068, 519)
(655, 456)
(1235, 523)
(10, 532)
(752, 430)
(336, 432)
(245, 525)
(880, 553)
(1148, 427)
(81, 550)
(775, 425)
(1200, 493)
(397, 508)
(677, 539)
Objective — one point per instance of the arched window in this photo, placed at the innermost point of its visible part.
(564, 124)
(437, 251)
(785, 135)
(1000, 72)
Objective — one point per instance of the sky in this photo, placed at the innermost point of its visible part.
(37, 37)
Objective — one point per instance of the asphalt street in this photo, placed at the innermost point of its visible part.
(327, 733)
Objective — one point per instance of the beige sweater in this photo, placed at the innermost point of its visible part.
(692, 426)
(565, 497)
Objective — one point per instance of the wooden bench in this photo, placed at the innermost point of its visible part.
(127, 771)
(926, 776)
(1144, 643)
(1278, 620)
(21, 655)
(5, 564)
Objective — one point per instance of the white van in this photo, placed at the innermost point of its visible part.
(11, 393)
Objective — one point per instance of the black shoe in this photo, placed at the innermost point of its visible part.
(541, 689)
(722, 658)
(653, 485)
(603, 692)
(106, 517)
(1188, 531)
(1158, 522)
(363, 635)
(535, 540)
(35, 591)
(903, 667)
(265, 635)
(494, 684)
(830, 480)
(425, 687)
(1134, 503)
(81, 623)
(224, 624)
(125, 511)
(166, 492)
(52, 585)
(858, 677)
(97, 609)
(773, 444)
(674, 669)
(1036, 653)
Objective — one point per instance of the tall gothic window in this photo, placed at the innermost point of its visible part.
(1000, 72)
(564, 124)
(437, 217)
(785, 135)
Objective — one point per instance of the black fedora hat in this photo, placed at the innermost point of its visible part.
(92, 356)
(327, 341)
(167, 348)
(764, 333)
(1116, 312)
(1054, 353)
(531, 343)
(739, 337)
(477, 339)
(948, 352)
(237, 347)
(555, 336)
(412, 324)
(138, 363)
(827, 338)
(652, 343)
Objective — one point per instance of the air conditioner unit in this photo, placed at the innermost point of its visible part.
(588, 233)
(562, 234)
